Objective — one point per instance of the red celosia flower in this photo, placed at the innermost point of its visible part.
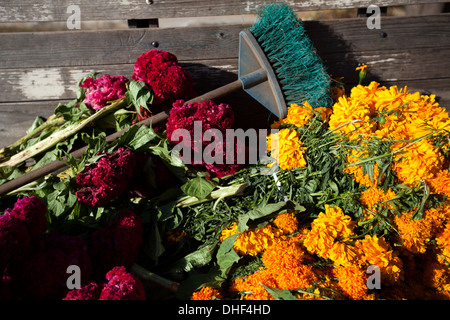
(43, 274)
(211, 116)
(90, 291)
(106, 179)
(117, 244)
(14, 240)
(166, 78)
(102, 90)
(31, 210)
(122, 285)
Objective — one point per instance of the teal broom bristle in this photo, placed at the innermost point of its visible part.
(298, 67)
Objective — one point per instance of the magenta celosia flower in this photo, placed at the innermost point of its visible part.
(102, 90)
(90, 291)
(43, 274)
(15, 240)
(227, 166)
(31, 210)
(116, 244)
(122, 285)
(210, 116)
(164, 76)
(105, 180)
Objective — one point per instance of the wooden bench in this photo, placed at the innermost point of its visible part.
(40, 69)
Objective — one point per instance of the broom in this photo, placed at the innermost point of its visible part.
(278, 66)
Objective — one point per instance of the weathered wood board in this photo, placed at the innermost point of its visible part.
(57, 10)
(39, 70)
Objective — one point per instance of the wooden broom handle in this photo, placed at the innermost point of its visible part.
(155, 120)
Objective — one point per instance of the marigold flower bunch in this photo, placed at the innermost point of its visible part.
(295, 261)
(409, 121)
(386, 206)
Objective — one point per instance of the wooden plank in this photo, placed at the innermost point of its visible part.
(57, 10)
(34, 84)
(48, 69)
(85, 48)
(49, 49)
(37, 84)
(15, 118)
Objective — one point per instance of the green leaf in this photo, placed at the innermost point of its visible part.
(280, 294)
(198, 187)
(257, 213)
(197, 259)
(139, 95)
(226, 256)
(137, 137)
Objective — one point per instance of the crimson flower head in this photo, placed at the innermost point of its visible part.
(31, 210)
(90, 291)
(210, 116)
(105, 180)
(20, 227)
(14, 240)
(43, 274)
(119, 285)
(122, 285)
(102, 90)
(116, 244)
(164, 76)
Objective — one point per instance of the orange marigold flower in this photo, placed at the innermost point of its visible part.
(437, 276)
(336, 93)
(373, 197)
(175, 235)
(357, 171)
(443, 242)
(299, 115)
(251, 286)
(343, 254)
(300, 277)
(325, 113)
(325, 229)
(351, 281)
(251, 242)
(440, 183)
(206, 293)
(416, 234)
(374, 250)
(287, 222)
(228, 232)
(422, 161)
(287, 149)
(283, 256)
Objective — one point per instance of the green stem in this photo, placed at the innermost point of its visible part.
(146, 275)
(51, 121)
(59, 135)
